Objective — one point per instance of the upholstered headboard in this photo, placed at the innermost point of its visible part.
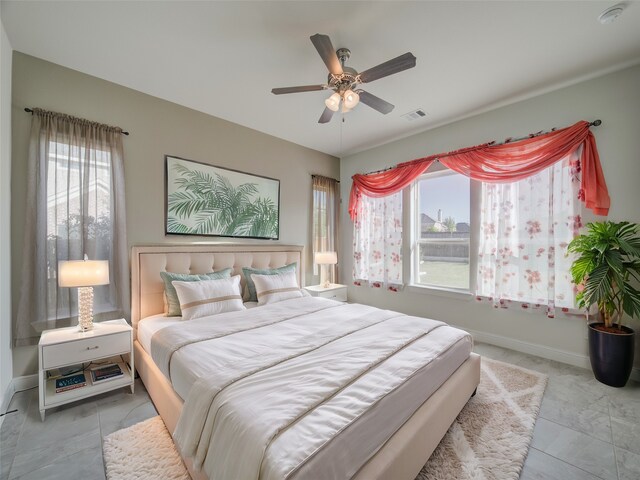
(147, 289)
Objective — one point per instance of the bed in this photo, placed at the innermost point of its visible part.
(398, 453)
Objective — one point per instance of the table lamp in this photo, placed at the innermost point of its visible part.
(324, 259)
(84, 274)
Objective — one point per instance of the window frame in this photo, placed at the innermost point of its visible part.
(412, 266)
(416, 241)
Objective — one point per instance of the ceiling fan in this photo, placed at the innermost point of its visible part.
(344, 81)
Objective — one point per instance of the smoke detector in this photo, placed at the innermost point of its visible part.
(611, 13)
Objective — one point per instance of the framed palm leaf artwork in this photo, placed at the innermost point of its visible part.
(203, 199)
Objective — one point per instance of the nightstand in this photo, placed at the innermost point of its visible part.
(335, 291)
(107, 342)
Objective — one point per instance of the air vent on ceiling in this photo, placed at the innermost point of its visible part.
(414, 115)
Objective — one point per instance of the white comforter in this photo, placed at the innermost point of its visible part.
(286, 380)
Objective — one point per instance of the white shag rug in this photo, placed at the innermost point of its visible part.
(488, 441)
(144, 451)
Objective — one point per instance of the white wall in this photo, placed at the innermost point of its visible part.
(6, 373)
(615, 99)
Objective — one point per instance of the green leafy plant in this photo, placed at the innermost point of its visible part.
(450, 224)
(607, 267)
(217, 206)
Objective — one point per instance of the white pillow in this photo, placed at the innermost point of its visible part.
(275, 288)
(209, 297)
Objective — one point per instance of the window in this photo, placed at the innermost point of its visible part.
(74, 206)
(442, 229)
(326, 197)
(377, 242)
(525, 228)
(79, 218)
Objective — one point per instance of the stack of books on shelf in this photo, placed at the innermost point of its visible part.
(70, 382)
(102, 373)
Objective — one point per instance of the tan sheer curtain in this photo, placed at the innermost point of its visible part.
(326, 207)
(75, 205)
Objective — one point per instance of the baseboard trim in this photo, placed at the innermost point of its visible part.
(17, 384)
(6, 399)
(25, 382)
(543, 351)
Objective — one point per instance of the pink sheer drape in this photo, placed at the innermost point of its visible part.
(508, 162)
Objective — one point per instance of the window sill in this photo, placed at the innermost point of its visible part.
(440, 292)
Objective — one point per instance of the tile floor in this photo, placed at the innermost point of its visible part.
(585, 430)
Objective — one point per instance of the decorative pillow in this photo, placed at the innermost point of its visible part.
(209, 297)
(275, 288)
(251, 288)
(171, 297)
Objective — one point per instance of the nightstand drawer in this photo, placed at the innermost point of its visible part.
(339, 294)
(85, 349)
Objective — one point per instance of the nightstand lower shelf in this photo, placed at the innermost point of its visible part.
(53, 399)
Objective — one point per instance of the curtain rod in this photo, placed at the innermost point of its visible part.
(29, 110)
(313, 175)
(595, 123)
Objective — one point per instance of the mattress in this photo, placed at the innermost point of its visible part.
(346, 428)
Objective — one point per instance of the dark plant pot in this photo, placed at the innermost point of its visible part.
(611, 355)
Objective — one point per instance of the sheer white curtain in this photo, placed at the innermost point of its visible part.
(525, 228)
(377, 242)
(326, 207)
(75, 205)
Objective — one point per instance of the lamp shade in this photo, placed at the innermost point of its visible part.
(333, 102)
(351, 99)
(326, 258)
(83, 273)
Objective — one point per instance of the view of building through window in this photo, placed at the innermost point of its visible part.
(442, 230)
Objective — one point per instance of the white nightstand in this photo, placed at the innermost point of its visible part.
(63, 347)
(335, 291)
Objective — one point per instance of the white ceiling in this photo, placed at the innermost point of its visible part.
(223, 58)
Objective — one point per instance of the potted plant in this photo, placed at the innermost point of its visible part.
(606, 267)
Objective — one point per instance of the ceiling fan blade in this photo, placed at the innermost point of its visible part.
(375, 102)
(327, 52)
(326, 116)
(302, 88)
(395, 65)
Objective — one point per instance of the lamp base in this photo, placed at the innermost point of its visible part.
(85, 308)
(324, 276)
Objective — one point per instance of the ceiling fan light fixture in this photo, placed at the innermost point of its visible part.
(351, 99)
(333, 102)
(344, 108)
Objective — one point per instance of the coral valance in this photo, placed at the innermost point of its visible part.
(508, 162)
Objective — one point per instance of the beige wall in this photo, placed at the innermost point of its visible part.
(615, 99)
(157, 128)
(5, 214)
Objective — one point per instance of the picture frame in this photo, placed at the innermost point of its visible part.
(208, 200)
